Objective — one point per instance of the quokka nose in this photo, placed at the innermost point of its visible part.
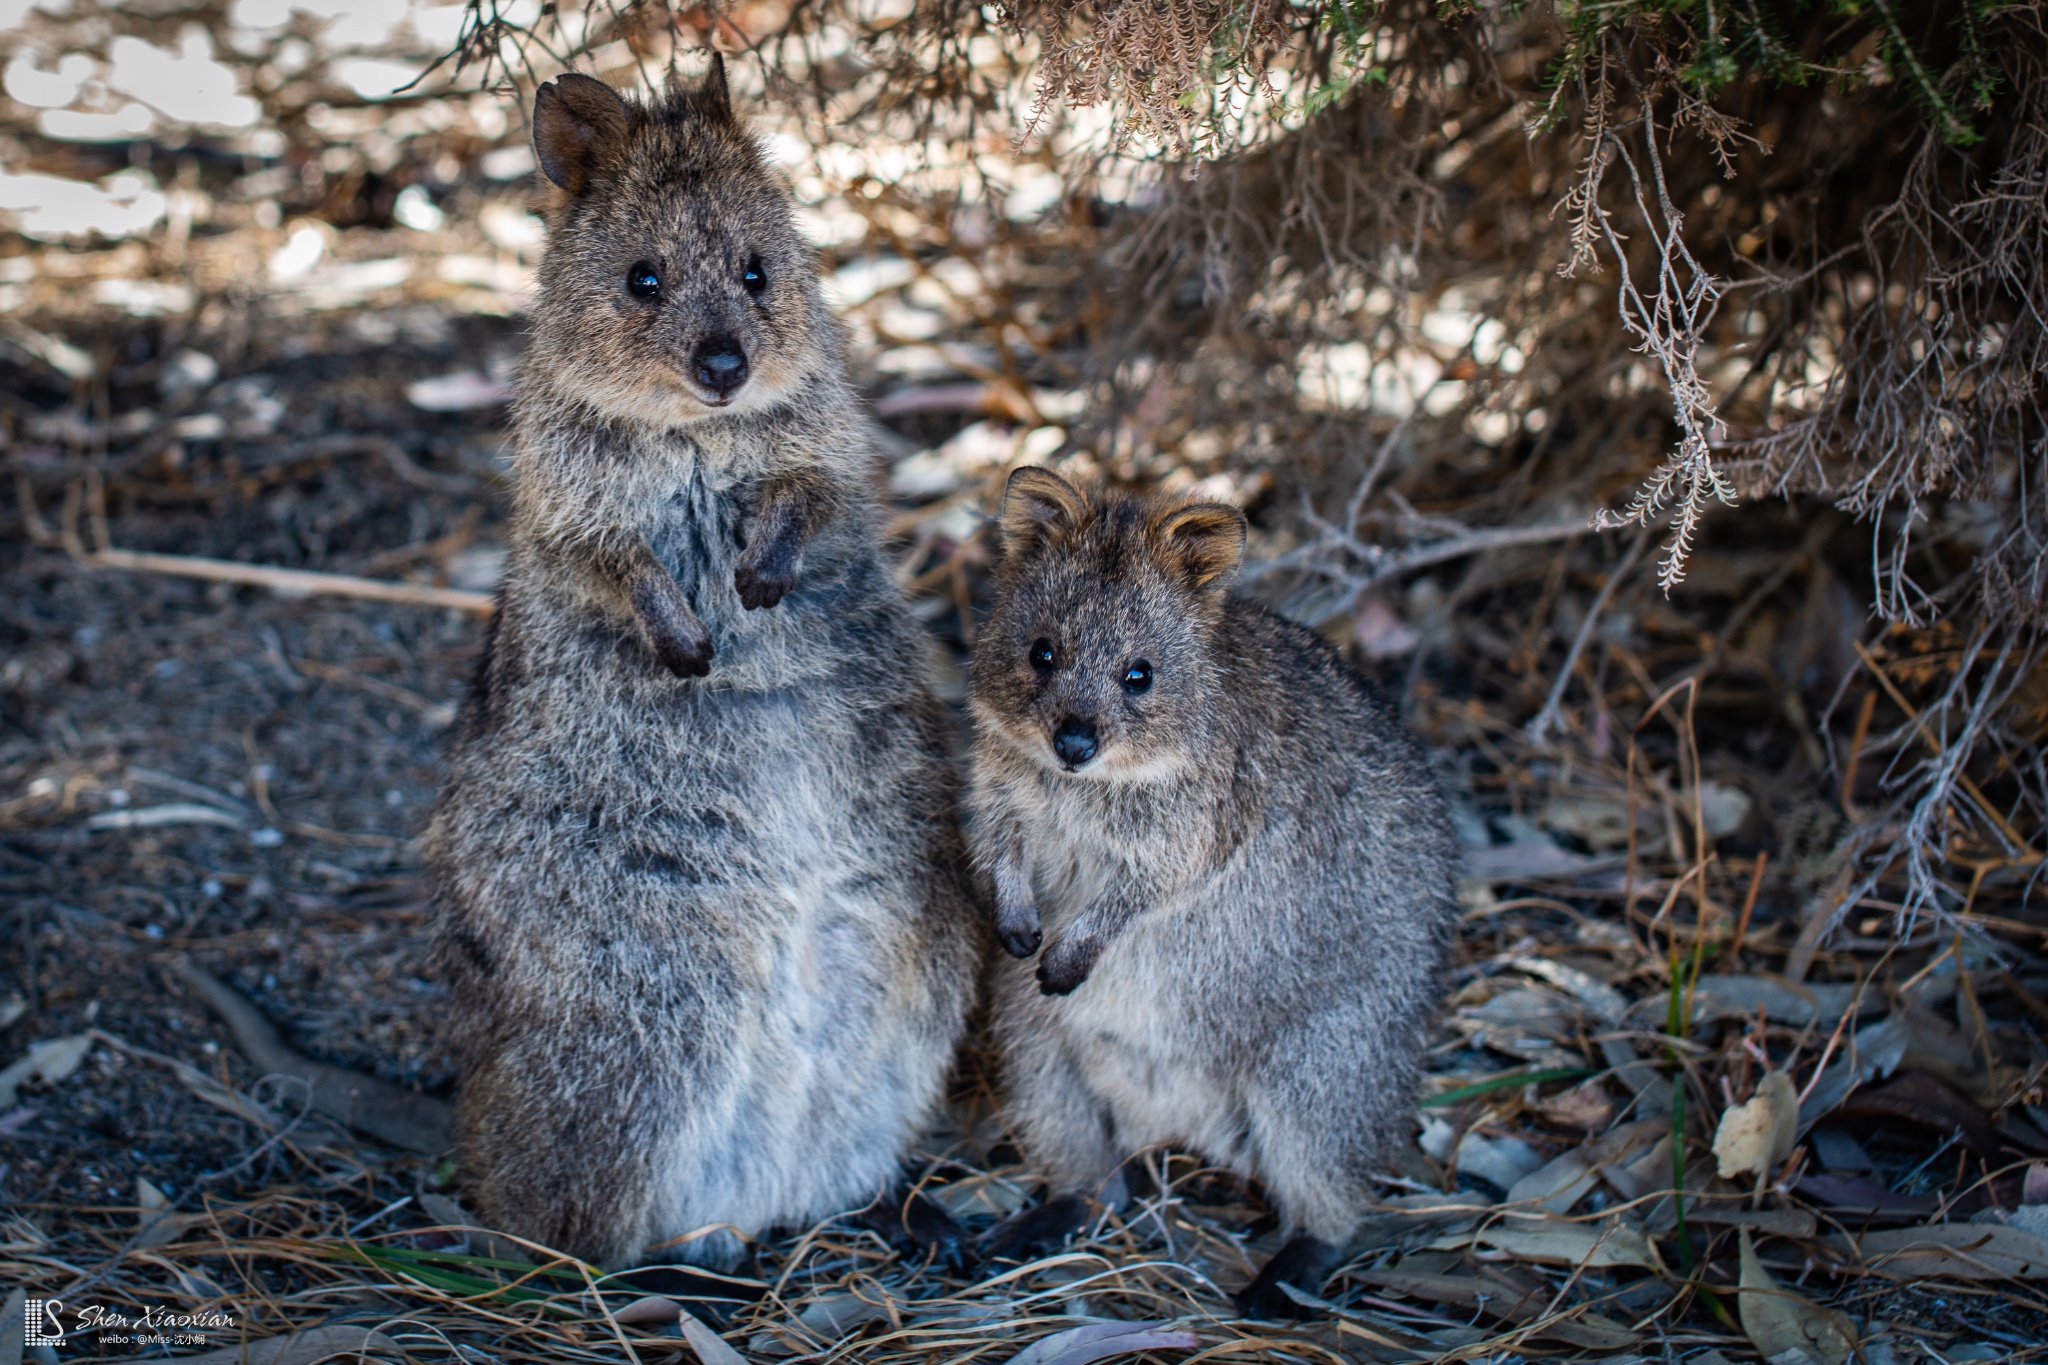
(721, 366)
(1074, 742)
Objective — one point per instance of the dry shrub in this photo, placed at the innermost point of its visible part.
(1460, 279)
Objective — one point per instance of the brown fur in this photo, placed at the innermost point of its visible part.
(701, 890)
(1243, 890)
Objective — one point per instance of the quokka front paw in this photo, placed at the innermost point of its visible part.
(1017, 926)
(1066, 965)
(685, 653)
(678, 638)
(1017, 941)
(764, 580)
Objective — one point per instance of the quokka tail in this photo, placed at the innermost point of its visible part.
(390, 1113)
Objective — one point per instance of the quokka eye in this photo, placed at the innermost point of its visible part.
(1138, 677)
(643, 281)
(755, 277)
(1041, 655)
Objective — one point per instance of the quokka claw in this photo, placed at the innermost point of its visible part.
(761, 587)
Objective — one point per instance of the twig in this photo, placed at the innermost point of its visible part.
(1862, 733)
(1982, 801)
(1539, 728)
(1756, 881)
(291, 582)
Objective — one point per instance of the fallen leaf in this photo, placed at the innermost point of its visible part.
(651, 1311)
(1965, 1251)
(980, 1194)
(12, 1314)
(301, 1348)
(1758, 1134)
(47, 1063)
(154, 1221)
(1498, 1299)
(1556, 1187)
(1499, 1161)
(1777, 1320)
(711, 1348)
(1100, 1340)
(1914, 1038)
(1555, 1241)
(1799, 1003)
(1606, 1003)
(841, 1315)
(2030, 1218)
(1931, 1104)
(1838, 1150)
(1793, 1223)
(1647, 1174)
(1864, 1199)
(2035, 1188)
(1586, 1106)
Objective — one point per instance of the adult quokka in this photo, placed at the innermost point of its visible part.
(1238, 867)
(702, 894)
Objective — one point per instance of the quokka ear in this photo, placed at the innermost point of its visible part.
(1202, 542)
(579, 122)
(1039, 505)
(715, 96)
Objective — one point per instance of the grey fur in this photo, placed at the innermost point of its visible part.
(711, 941)
(1245, 896)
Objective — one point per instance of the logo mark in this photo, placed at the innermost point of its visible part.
(39, 1322)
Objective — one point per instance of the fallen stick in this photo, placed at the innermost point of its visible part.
(298, 582)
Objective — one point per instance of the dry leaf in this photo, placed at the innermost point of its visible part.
(840, 1315)
(154, 1220)
(1755, 1136)
(1606, 1003)
(978, 1195)
(1863, 1199)
(1556, 1187)
(1586, 1107)
(711, 1348)
(301, 1348)
(1931, 1104)
(1498, 1298)
(47, 1063)
(1558, 1242)
(1964, 1251)
(1648, 1173)
(1718, 996)
(1100, 1340)
(651, 1311)
(1793, 1223)
(1778, 1320)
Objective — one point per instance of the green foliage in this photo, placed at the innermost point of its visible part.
(1707, 46)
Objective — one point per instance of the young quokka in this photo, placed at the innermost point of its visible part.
(703, 899)
(1238, 866)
